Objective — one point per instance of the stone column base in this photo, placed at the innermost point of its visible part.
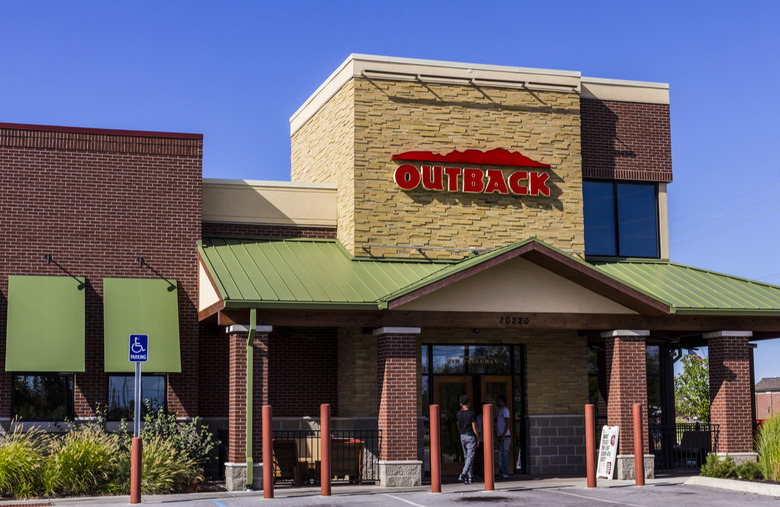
(235, 476)
(393, 474)
(738, 457)
(624, 467)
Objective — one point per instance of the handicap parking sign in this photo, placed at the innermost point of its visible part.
(139, 348)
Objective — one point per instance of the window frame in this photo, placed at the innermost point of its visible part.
(69, 399)
(616, 215)
(163, 405)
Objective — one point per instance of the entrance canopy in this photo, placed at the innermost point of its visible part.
(549, 288)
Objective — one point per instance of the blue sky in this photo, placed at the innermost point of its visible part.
(237, 71)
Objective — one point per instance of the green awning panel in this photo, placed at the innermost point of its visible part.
(141, 306)
(45, 329)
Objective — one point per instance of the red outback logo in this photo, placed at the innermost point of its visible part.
(450, 175)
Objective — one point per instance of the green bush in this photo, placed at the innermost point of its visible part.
(165, 469)
(768, 448)
(83, 461)
(22, 463)
(719, 468)
(191, 440)
(750, 471)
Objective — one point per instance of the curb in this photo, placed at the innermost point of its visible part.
(757, 488)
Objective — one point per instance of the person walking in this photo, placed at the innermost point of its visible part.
(504, 436)
(467, 427)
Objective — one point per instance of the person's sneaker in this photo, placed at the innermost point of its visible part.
(466, 480)
(504, 476)
(461, 478)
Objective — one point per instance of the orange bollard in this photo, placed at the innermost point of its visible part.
(639, 452)
(487, 444)
(136, 454)
(590, 444)
(325, 449)
(268, 452)
(435, 424)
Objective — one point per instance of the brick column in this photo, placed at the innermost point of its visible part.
(397, 396)
(729, 358)
(235, 468)
(627, 385)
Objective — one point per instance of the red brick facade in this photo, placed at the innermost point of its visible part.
(627, 385)
(730, 393)
(237, 396)
(626, 140)
(397, 395)
(96, 200)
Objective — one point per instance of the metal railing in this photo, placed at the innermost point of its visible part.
(682, 446)
(354, 456)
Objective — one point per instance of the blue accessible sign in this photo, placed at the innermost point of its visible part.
(139, 348)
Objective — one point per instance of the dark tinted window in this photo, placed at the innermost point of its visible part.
(621, 219)
(121, 398)
(44, 397)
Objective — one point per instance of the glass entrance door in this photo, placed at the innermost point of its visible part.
(446, 391)
(492, 386)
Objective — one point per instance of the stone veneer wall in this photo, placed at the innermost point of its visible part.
(377, 119)
(323, 151)
(556, 367)
(556, 445)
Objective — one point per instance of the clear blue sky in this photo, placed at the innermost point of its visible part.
(237, 71)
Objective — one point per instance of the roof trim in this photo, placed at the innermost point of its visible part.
(545, 256)
(99, 131)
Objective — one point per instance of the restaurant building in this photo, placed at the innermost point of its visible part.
(449, 228)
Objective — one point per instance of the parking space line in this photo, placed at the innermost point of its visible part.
(589, 497)
(403, 500)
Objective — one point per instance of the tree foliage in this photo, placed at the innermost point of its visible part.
(692, 389)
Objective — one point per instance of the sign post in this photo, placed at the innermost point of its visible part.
(138, 353)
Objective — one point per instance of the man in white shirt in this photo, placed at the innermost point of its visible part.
(503, 424)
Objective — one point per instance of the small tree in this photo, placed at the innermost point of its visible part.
(692, 389)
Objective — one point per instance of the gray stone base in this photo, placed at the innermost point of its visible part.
(235, 476)
(624, 467)
(393, 474)
(739, 457)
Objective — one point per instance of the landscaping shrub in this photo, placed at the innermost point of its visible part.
(750, 471)
(190, 440)
(83, 461)
(165, 469)
(768, 447)
(22, 463)
(719, 468)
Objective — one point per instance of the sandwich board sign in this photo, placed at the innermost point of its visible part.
(607, 452)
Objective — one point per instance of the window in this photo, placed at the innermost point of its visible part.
(121, 396)
(621, 219)
(43, 397)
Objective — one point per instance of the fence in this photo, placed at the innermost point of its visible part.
(354, 456)
(683, 446)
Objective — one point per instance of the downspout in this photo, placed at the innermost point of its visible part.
(250, 464)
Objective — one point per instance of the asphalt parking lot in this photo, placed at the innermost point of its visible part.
(559, 492)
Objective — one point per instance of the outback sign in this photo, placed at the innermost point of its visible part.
(449, 172)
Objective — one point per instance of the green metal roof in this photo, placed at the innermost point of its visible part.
(303, 273)
(692, 290)
(320, 274)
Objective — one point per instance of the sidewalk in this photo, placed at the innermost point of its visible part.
(518, 483)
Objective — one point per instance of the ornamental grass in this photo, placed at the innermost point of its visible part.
(768, 448)
(83, 461)
(22, 463)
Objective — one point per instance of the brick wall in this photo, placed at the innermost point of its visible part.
(729, 359)
(767, 404)
(214, 367)
(626, 140)
(396, 366)
(267, 231)
(357, 384)
(96, 200)
(303, 367)
(627, 385)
